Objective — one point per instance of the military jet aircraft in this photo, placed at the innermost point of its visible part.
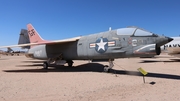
(103, 46)
(11, 52)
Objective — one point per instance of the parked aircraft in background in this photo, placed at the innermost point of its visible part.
(1, 51)
(103, 46)
(173, 47)
(11, 52)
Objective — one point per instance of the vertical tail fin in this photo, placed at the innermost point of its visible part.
(33, 35)
(24, 38)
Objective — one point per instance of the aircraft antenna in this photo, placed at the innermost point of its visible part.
(109, 28)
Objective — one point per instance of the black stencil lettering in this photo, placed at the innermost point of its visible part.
(165, 46)
(174, 45)
(31, 32)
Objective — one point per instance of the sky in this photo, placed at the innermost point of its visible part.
(59, 19)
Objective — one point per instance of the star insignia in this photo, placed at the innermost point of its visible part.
(101, 45)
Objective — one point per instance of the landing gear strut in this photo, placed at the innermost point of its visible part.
(45, 65)
(51, 61)
(107, 68)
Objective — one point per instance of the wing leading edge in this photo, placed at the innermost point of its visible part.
(47, 43)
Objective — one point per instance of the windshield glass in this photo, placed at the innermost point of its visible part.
(140, 32)
(125, 31)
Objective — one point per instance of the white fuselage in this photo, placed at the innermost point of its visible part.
(172, 47)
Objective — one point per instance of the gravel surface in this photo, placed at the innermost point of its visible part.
(23, 79)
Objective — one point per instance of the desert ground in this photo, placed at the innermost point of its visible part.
(23, 79)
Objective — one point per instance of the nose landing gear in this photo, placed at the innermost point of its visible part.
(107, 68)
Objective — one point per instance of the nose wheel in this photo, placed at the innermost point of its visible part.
(107, 68)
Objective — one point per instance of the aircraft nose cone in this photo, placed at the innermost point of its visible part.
(163, 40)
(169, 39)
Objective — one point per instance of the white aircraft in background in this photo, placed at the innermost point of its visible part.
(173, 47)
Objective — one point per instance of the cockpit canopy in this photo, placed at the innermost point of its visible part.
(134, 31)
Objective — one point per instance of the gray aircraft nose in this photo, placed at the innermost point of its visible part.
(163, 40)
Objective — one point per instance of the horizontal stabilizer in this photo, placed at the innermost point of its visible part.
(24, 38)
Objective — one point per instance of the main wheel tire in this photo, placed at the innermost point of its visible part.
(106, 69)
(70, 63)
(45, 65)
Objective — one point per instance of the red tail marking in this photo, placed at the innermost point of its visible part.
(33, 35)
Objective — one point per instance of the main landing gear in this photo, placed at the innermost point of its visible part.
(70, 63)
(47, 63)
(57, 61)
(107, 68)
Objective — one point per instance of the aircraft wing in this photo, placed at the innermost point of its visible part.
(48, 42)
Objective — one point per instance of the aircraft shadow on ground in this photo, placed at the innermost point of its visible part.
(165, 61)
(32, 61)
(3, 59)
(90, 67)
